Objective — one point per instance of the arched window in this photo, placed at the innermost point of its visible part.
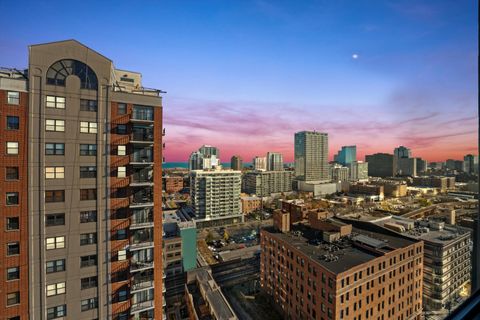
(60, 70)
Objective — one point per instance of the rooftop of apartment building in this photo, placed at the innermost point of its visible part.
(361, 246)
(172, 224)
(431, 230)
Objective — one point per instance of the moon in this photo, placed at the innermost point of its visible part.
(355, 56)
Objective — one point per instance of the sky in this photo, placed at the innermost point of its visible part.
(246, 75)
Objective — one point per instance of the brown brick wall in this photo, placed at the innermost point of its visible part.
(20, 210)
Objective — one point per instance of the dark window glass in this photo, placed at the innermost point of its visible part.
(12, 198)
(57, 149)
(88, 194)
(88, 238)
(88, 105)
(88, 261)
(11, 173)
(89, 304)
(121, 129)
(90, 282)
(13, 123)
(88, 172)
(13, 248)
(88, 149)
(57, 312)
(55, 219)
(55, 266)
(88, 216)
(121, 234)
(122, 108)
(13, 273)
(55, 196)
(60, 70)
(13, 223)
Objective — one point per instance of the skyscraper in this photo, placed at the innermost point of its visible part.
(209, 151)
(90, 227)
(236, 163)
(205, 158)
(311, 156)
(381, 165)
(259, 163)
(402, 152)
(358, 170)
(274, 161)
(346, 155)
(469, 163)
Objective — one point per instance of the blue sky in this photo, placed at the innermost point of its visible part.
(245, 75)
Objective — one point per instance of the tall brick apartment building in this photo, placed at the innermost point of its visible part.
(327, 270)
(81, 189)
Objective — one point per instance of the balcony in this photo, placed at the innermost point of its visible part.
(136, 266)
(142, 115)
(142, 198)
(142, 283)
(142, 157)
(142, 218)
(142, 135)
(142, 306)
(141, 239)
(142, 177)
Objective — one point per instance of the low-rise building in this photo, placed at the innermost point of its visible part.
(440, 182)
(330, 271)
(367, 189)
(250, 204)
(172, 184)
(392, 188)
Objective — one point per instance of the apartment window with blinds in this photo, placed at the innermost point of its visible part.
(89, 282)
(13, 298)
(88, 304)
(54, 125)
(54, 196)
(88, 172)
(13, 248)
(56, 289)
(13, 223)
(121, 172)
(13, 273)
(57, 312)
(88, 238)
(11, 173)
(13, 97)
(55, 243)
(12, 147)
(54, 172)
(122, 150)
(55, 266)
(88, 261)
(88, 216)
(12, 198)
(55, 219)
(88, 127)
(55, 102)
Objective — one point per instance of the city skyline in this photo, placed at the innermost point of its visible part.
(376, 75)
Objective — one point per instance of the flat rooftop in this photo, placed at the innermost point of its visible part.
(361, 246)
(421, 230)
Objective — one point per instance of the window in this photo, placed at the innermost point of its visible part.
(55, 243)
(55, 219)
(88, 216)
(88, 172)
(55, 102)
(121, 129)
(55, 289)
(13, 123)
(88, 149)
(13, 97)
(122, 295)
(12, 147)
(88, 127)
(121, 255)
(122, 150)
(13, 248)
(88, 105)
(89, 282)
(13, 298)
(12, 198)
(54, 172)
(88, 238)
(13, 273)
(55, 266)
(57, 149)
(121, 234)
(89, 304)
(88, 194)
(54, 125)
(13, 223)
(122, 108)
(11, 173)
(87, 261)
(55, 196)
(57, 312)
(121, 172)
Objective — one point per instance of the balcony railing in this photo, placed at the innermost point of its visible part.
(142, 136)
(141, 221)
(143, 198)
(141, 178)
(140, 265)
(142, 115)
(142, 283)
(141, 306)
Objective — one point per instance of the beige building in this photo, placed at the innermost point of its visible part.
(250, 204)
